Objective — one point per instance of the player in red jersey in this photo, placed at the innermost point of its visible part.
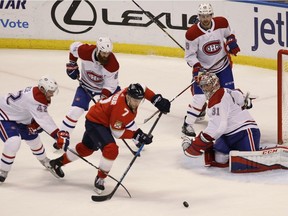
(108, 119)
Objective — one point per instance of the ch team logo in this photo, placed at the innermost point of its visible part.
(212, 47)
(62, 16)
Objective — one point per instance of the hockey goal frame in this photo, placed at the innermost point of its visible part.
(281, 52)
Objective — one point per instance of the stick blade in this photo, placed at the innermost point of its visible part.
(103, 198)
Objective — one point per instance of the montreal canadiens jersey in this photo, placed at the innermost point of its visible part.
(25, 105)
(96, 77)
(207, 46)
(114, 112)
(226, 115)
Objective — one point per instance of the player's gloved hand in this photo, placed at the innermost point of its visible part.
(198, 145)
(161, 103)
(72, 70)
(247, 102)
(34, 127)
(197, 68)
(105, 93)
(232, 44)
(142, 138)
(63, 139)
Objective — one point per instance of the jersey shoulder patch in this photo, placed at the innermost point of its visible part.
(85, 51)
(216, 98)
(220, 22)
(193, 32)
(39, 96)
(112, 65)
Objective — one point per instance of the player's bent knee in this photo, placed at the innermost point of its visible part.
(110, 151)
(221, 157)
(83, 150)
(12, 144)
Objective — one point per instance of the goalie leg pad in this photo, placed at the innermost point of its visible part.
(258, 161)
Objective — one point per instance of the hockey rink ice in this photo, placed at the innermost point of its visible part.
(163, 177)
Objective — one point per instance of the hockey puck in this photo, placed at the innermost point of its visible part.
(186, 204)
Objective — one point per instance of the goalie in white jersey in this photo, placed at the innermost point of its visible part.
(22, 116)
(230, 125)
(205, 45)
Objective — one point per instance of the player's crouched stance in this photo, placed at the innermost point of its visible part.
(109, 118)
(230, 125)
(22, 116)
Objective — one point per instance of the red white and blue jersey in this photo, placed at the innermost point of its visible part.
(101, 79)
(226, 116)
(207, 46)
(114, 112)
(26, 105)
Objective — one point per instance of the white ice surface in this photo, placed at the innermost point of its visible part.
(162, 178)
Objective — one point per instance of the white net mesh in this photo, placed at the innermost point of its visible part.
(285, 97)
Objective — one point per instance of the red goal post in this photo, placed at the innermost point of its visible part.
(282, 96)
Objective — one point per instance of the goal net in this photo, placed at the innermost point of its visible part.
(282, 98)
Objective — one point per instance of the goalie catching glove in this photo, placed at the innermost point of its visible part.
(161, 103)
(197, 146)
(63, 140)
(142, 138)
(72, 70)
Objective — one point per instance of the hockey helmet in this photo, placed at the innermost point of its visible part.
(104, 44)
(205, 9)
(209, 83)
(48, 84)
(136, 91)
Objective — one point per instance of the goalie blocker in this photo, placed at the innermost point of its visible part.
(258, 161)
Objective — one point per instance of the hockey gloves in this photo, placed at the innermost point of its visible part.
(198, 145)
(142, 138)
(161, 103)
(63, 140)
(34, 127)
(72, 70)
(198, 70)
(232, 44)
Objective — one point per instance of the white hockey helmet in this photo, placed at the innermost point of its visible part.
(104, 44)
(48, 84)
(209, 83)
(205, 9)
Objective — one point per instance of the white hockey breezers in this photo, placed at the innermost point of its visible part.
(258, 161)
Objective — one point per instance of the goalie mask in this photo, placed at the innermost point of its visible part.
(209, 83)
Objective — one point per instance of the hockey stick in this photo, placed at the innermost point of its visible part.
(92, 98)
(193, 81)
(152, 19)
(110, 195)
(75, 153)
(147, 119)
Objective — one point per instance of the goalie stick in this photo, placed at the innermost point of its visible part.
(193, 81)
(92, 98)
(102, 198)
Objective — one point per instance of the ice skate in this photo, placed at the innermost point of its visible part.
(99, 185)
